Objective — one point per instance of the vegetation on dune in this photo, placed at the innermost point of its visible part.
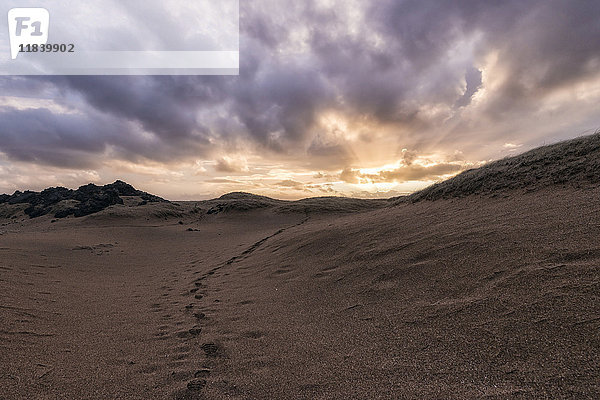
(574, 163)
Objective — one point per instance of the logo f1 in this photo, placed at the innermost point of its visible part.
(27, 26)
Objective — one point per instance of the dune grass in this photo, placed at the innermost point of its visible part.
(574, 163)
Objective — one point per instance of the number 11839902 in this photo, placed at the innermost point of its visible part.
(47, 48)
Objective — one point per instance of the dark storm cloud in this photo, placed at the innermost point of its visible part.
(162, 105)
(81, 140)
(473, 80)
(541, 44)
(394, 63)
(32, 135)
(279, 105)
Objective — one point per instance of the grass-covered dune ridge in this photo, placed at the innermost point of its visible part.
(574, 163)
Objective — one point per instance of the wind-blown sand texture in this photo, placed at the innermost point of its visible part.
(490, 294)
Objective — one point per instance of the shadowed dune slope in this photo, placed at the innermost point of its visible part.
(465, 298)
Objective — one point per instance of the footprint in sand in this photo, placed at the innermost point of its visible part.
(195, 331)
(192, 332)
(196, 384)
(200, 315)
(180, 375)
(211, 349)
(202, 373)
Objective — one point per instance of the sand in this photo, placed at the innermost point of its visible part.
(480, 297)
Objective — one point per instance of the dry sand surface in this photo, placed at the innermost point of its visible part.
(479, 297)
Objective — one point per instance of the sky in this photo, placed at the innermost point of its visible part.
(334, 98)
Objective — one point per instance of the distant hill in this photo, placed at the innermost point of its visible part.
(88, 199)
(573, 163)
(240, 201)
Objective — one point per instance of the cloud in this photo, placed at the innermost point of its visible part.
(42, 137)
(291, 184)
(350, 175)
(403, 58)
(229, 165)
(419, 172)
(409, 156)
(473, 82)
(402, 174)
(221, 180)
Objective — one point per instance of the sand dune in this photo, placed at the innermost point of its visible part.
(573, 164)
(490, 291)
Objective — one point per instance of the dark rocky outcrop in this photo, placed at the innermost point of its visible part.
(88, 199)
